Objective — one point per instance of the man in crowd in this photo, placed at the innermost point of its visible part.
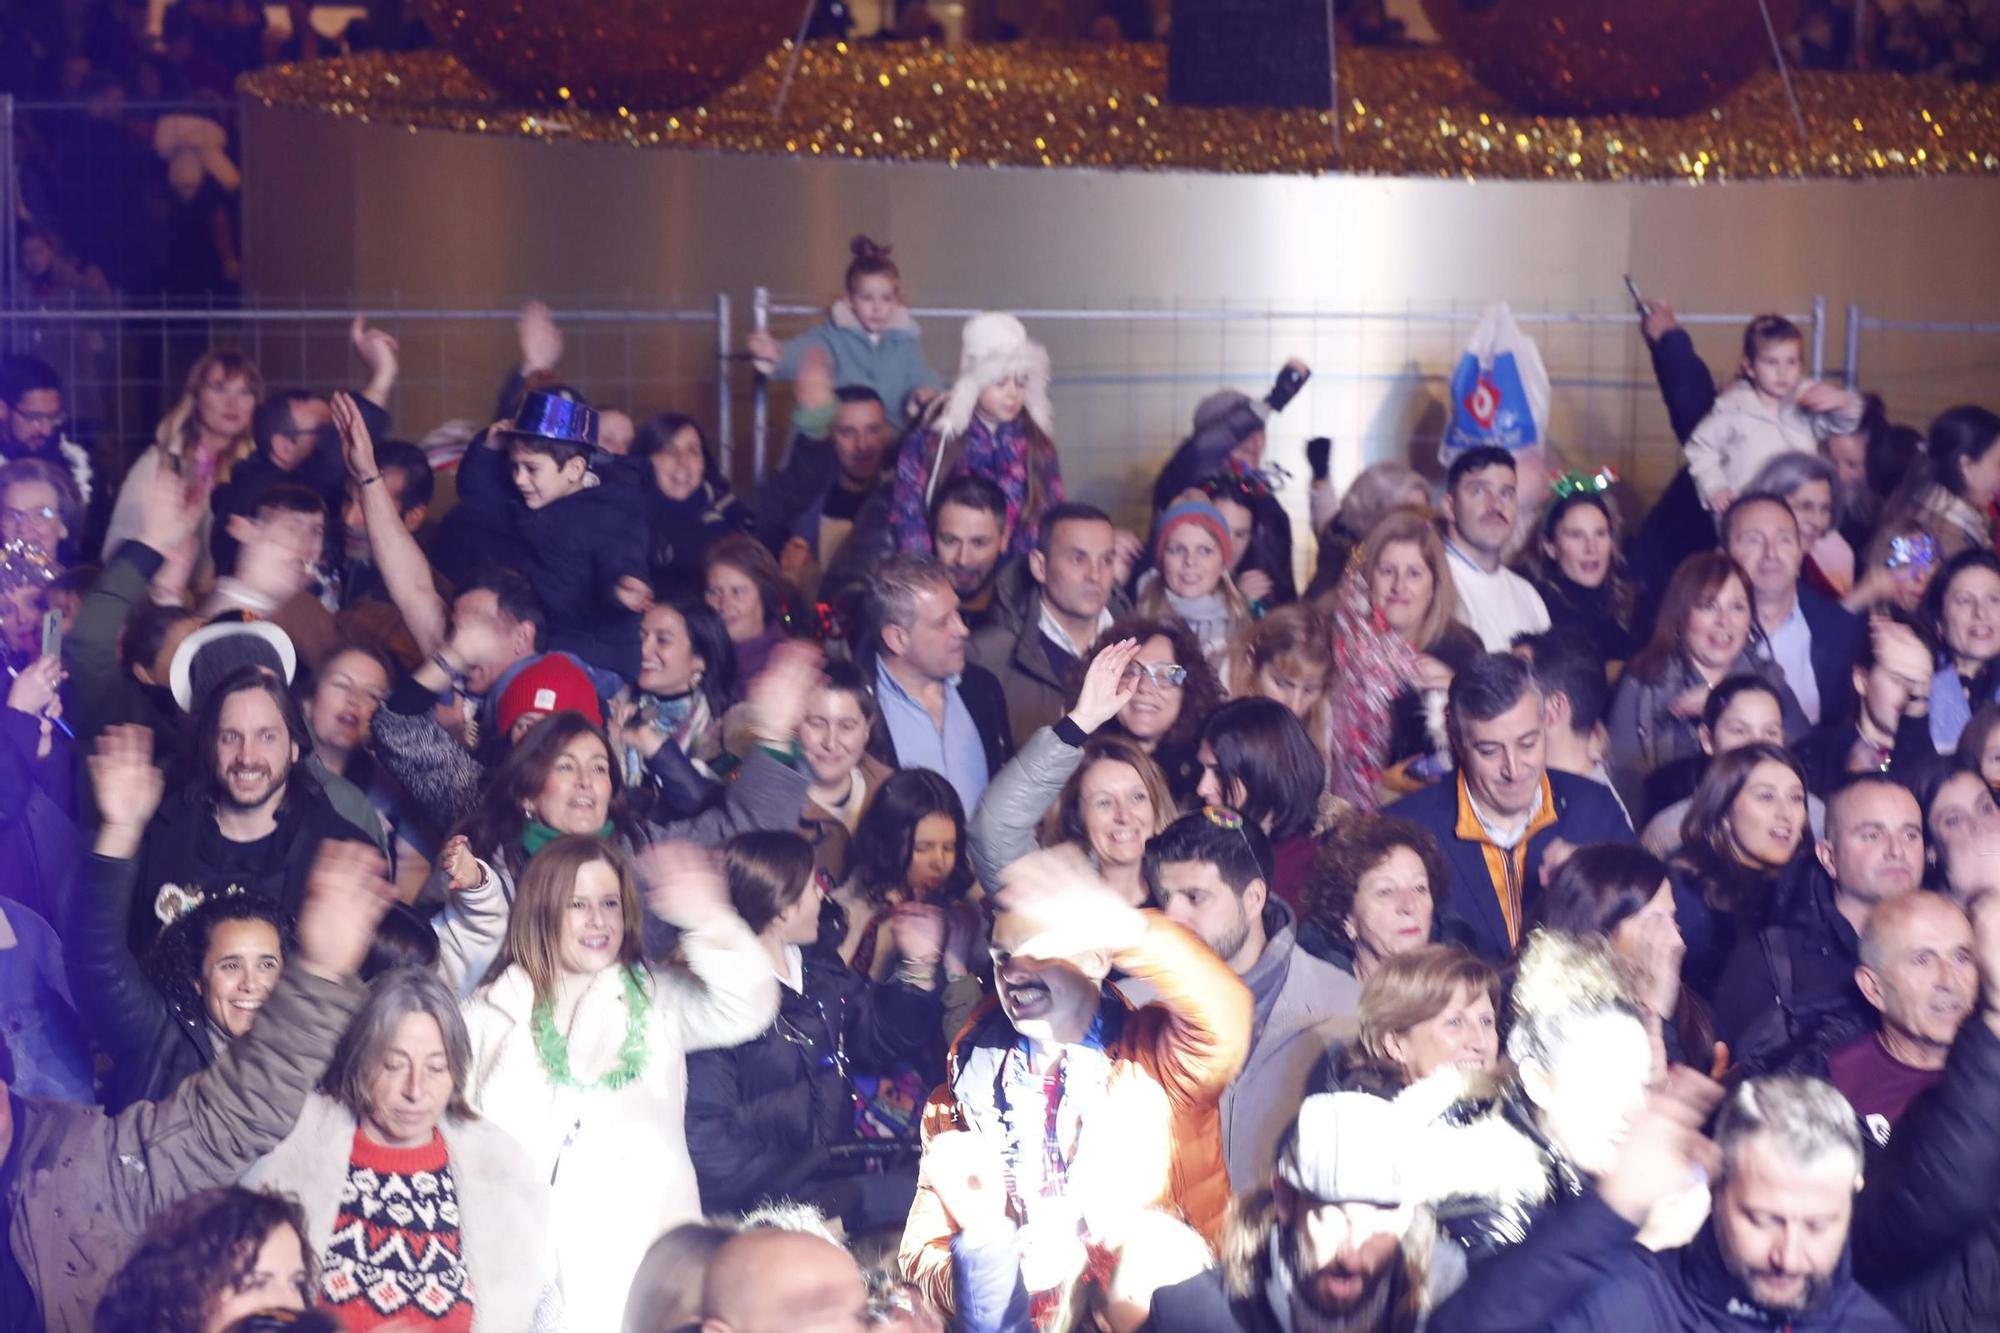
(1330, 1239)
(31, 421)
(1811, 637)
(936, 710)
(1479, 508)
(1047, 611)
(769, 1280)
(1094, 1108)
(1920, 973)
(1211, 872)
(1501, 811)
(1773, 1253)
(969, 532)
(1790, 983)
(841, 438)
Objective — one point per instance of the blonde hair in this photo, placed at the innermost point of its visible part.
(180, 428)
(1415, 527)
(1406, 989)
(1295, 634)
(1560, 979)
(541, 896)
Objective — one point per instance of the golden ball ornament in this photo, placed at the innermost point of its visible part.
(611, 53)
(1592, 57)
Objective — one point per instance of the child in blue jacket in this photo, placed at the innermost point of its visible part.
(869, 338)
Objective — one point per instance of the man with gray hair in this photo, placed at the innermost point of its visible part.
(1787, 1162)
(937, 710)
(1334, 1239)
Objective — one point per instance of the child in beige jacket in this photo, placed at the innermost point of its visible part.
(1771, 409)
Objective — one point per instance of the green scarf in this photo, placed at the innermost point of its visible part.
(538, 835)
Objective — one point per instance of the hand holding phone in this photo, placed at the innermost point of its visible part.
(1638, 301)
(52, 624)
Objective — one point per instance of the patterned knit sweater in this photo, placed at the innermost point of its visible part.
(395, 1253)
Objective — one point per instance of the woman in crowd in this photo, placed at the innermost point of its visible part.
(1410, 590)
(746, 589)
(780, 1116)
(1373, 893)
(1740, 711)
(1979, 744)
(579, 1047)
(1949, 498)
(1257, 759)
(1286, 655)
(1740, 845)
(1810, 489)
(203, 438)
(1961, 613)
(1101, 793)
(1173, 692)
(1705, 632)
(690, 504)
(1957, 806)
(686, 682)
(1191, 582)
(909, 850)
(1624, 895)
(1580, 573)
(1380, 488)
(1424, 1009)
(419, 1213)
(834, 738)
(210, 1260)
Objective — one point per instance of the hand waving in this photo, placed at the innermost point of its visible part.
(127, 784)
(346, 895)
(1106, 688)
(684, 884)
(357, 446)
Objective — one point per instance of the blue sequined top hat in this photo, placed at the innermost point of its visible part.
(551, 416)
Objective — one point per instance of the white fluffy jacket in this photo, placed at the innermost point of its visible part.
(617, 1161)
(1742, 432)
(503, 1210)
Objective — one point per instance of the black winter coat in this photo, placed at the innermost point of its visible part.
(1580, 1269)
(1926, 1234)
(769, 1116)
(153, 1043)
(1788, 987)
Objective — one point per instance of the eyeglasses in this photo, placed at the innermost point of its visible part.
(53, 420)
(1163, 675)
(46, 513)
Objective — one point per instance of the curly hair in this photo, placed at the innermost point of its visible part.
(1201, 695)
(1352, 848)
(173, 963)
(201, 1248)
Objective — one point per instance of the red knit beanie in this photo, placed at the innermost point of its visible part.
(552, 684)
(1200, 513)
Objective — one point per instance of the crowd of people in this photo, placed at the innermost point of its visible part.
(905, 896)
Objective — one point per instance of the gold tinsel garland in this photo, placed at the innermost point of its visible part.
(1405, 112)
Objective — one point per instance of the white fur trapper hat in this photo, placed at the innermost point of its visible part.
(992, 346)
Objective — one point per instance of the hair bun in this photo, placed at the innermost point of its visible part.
(865, 249)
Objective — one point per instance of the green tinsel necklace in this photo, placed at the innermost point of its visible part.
(553, 1047)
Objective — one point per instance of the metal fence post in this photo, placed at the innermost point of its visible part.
(725, 425)
(1819, 337)
(760, 400)
(1853, 346)
(10, 206)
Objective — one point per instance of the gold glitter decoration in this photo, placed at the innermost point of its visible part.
(611, 53)
(1404, 113)
(1587, 57)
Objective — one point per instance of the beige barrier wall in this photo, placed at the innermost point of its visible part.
(341, 206)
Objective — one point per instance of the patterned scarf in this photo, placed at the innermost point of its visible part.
(1372, 664)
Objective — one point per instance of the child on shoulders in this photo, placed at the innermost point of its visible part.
(868, 337)
(1770, 410)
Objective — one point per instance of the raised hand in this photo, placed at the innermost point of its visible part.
(357, 446)
(1126, 550)
(1823, 397)
(128, 788)
(779, 695)
(1658, 321)
(170, 513)
(684, 884)
(1254, 584)
(1106, 688)
(1068, 910)
(460, 866)
(764, 347)
(379, 352)
(632, 593)
(541, 340)
(1664, 1153)
(346, 895)
(475, 642)
(917, 930)
(1687, 705)
(813, 386)
(969, 1177)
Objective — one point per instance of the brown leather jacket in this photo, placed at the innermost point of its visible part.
(1160, 1129)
